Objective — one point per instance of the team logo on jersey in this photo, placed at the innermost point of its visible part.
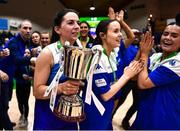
(98, 67)
(172, 62)
(118, 61)
(100, 82)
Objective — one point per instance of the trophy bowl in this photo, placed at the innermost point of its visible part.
(77, 61)
(76, 64)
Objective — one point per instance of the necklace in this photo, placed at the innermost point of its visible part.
(171, 55)
(168, 56)
(59, 45)
(114, 74)
(61, 57)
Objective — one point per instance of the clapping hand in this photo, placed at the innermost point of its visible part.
(146, 43)
(133, 69)
(118, 15)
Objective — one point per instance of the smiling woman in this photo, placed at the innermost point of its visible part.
(105, 81)
(66, 28)
(159, 105)
(85, 36)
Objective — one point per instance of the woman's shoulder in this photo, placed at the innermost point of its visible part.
(51, 46)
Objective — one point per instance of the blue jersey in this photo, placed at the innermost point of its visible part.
(44, 119)
(104, 76)
(130, 54)
(121, 51)
(159, 106)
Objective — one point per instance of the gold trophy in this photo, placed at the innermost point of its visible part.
(76, 65)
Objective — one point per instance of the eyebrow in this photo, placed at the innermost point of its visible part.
(25, 27)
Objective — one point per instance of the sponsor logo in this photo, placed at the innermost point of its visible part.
(100, 82)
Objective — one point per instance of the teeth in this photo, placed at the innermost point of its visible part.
(166, 42)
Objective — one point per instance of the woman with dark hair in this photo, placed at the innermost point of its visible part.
(35, 43)
(85, 36)
(159, 105)
(66, 28)
(105, 81)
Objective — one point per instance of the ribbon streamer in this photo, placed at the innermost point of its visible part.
(89, 92)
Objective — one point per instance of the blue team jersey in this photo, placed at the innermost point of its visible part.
(44, 118)
(104, 76)
(159, 106)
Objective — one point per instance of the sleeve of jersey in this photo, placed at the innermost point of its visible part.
(101, 83)
(164, 75)
(122, 49)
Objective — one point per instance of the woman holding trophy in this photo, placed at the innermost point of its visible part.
(66, 28)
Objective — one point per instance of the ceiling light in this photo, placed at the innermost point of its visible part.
(92, 7)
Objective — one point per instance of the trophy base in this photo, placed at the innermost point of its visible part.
(69, 118)
(70, 108)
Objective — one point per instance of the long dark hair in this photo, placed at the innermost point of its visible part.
(37, 33)
(58, 20)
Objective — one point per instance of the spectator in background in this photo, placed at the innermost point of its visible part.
(4, 38)
(17, 46)
(85, 36)
(45, 39)
(5, 122)
(35, 43)
(41, 40)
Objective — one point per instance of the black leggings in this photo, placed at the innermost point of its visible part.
(5, 122)
(23, 93)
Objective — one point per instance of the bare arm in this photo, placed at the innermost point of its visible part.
(42, 72)
(133, 69)
(144, 82)
(43, 67)
(130, 35)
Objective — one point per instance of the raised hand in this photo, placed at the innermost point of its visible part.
(146, 43)
(120, 15)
